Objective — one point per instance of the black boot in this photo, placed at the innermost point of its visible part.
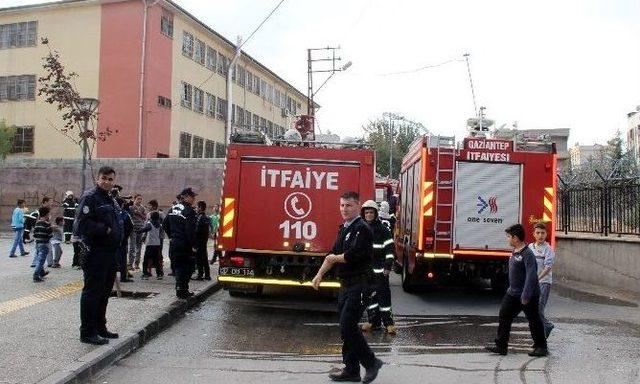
(345, 376)
(94, 339)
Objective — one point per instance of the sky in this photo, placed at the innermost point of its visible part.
(544, 64)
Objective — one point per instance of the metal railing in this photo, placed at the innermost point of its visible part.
(608, 208)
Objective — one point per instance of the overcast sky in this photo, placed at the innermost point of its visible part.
(545, 64)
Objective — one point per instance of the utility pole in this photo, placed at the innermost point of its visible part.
(227, 126)
(311, 110)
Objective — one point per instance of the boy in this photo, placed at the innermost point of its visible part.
(42, 234)
(17, 225)
(153, 250)
(523, 295)
(203, 224)
(56, 240)
(545, 257)
(215, 223)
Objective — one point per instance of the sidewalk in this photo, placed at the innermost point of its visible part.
(40, 322)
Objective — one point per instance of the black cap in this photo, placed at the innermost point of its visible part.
(188, 192)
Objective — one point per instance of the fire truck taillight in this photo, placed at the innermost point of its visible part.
(548, 202)
(228, 215)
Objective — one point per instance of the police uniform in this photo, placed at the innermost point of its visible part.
(379, 305)
(355, 241)
(69, 206)
(180, 226)
(203, 224)
(99, 226)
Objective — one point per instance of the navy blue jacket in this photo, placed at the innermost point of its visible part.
(356, 242)
(97, 213)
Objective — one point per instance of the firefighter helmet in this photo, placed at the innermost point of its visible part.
(370, 204)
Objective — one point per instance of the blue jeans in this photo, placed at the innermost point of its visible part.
(17, 241)
(545, 289)
(42, 250)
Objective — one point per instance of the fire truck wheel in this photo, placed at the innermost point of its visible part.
(406, 276)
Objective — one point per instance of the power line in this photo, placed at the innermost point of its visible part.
(421, 68)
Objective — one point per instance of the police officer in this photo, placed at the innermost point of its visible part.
(180, 226)
(352, 255)
(99, 226)
(69, 206)
(379, 305)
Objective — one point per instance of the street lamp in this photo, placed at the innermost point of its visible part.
(87, 106)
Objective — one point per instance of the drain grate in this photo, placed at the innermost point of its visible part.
(135, 295)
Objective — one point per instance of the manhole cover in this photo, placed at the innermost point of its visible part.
(135, 295)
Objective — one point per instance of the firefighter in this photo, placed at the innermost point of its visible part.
(180, 226)
(352, 256)
(387, 219)
(68, 213)
(379, 305)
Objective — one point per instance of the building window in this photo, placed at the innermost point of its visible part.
(256, 85)
(221, 150)
(17, 88)
(198, 100)
(276, 97)
(211, 105)
(263, 88)
(270, 93)
(187, 44)
(212, 56)
(283, 100)
(187, 91)
(209, 149)
(164, 102)
(240, 116)
(222, 64)
(263, 125)
(198, 146)
(166, 23)
(249, 81)
(242, 76)
(23, 140)
(297, 108)
(18, 35)
(185, 145)
(247, 119)
(256, 123)
(270, 129)
(199, 51)
(289, 104)
(221, 109)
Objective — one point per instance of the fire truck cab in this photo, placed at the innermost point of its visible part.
(280, 211)
(456, 201)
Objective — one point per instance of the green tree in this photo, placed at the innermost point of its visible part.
(391, 130)
(6, 139)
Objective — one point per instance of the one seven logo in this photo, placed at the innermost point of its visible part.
(483, 204)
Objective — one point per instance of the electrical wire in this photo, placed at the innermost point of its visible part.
(421, 68)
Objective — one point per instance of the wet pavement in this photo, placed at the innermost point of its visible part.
(289, 336)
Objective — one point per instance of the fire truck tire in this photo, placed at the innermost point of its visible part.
(406, 276)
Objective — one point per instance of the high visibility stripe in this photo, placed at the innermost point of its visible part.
(385, 309)
(68, 218)
(390, 241)
(378, 246)
(378, 270)
(389, 256)
(427, 198)
(373, 306)
(547, 202)
(227, 217)
(281, 282)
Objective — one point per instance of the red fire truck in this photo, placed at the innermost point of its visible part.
(280, 211)
(455, 203)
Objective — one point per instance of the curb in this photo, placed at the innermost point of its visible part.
(88, 366)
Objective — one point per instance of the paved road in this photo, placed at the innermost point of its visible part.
(293, 337)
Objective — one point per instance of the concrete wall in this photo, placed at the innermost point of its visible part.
(607, 261)
(160, 179)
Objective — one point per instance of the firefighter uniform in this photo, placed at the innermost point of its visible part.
(29, 221)
(180, 226)
(69, 213)
(356, 243)
(379, 304)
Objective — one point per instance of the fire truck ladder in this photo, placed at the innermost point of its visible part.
(443, 227)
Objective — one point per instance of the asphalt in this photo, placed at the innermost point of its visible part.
(40, 322)
(293, 336)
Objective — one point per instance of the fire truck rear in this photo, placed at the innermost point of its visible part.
(456, 202)
(280, 210)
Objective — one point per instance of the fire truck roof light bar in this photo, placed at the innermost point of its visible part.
(281, 282)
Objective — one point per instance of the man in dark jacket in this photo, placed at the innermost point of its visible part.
(379, 305)
(69, 206)
(352, 255)
(180, 226)
(100, 227)
(203, 224)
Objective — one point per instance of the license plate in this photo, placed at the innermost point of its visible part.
(233, 271)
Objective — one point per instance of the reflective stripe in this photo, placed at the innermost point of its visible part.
(378, 270)
(374, 306)
(378, 246)
(390, 241)
(68, 218)
(389, 256)
(385, 309)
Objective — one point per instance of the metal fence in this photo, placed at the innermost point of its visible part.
(605, 209)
